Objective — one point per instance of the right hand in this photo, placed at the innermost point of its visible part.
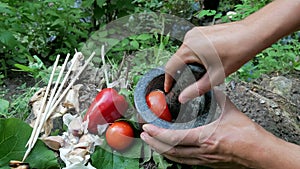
(222, 49)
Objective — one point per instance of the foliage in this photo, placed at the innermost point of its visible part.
(105, 11)
(19, 104)
(14, 136)
(160, 161)
(104, 157)
(183, 9)
(42, 28)
(36, 67)
(4, 104)
(248, 7)
(282, 56)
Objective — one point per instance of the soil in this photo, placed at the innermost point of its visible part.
(279, 113)
(12, 85)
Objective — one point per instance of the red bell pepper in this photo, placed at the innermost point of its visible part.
(107, 107)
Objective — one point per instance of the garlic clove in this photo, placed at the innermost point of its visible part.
(54, 142)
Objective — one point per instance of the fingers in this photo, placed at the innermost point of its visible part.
(174, 137)
(155, 144)
(188, 161)
(196, 89)
(178, 150)
(178, 61)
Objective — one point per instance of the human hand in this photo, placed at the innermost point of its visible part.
(222, 49)
(232, 141)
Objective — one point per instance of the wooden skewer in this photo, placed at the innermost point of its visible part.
(105, 68)
(50, 100)
(53, 106)
(41, 110)
(70, 85)
(65, 78)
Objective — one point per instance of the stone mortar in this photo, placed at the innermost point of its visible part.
(194, 113)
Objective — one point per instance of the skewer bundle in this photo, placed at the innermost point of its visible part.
(56, 96)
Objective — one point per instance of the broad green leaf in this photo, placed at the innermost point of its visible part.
(4, 8)
(160, 161)
(7, 38)
(14, 134)
(4, 104)
(103, 158)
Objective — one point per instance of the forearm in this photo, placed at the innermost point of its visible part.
(270, 152)
(281, 154)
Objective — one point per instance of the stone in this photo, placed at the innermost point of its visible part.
(281, 85)
(194, 113)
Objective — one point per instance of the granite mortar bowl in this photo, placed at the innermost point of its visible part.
(194, 113)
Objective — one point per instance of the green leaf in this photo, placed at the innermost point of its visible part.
(87, 3)
(160, 161)
(8, 39)
(105, 158)
(59, 22)
(100, 3)
(4, 104)
(297, 67)
(134, 44)
(206, 13)
(144, 37)
(4, 8)
(24, 68)
(14, 134)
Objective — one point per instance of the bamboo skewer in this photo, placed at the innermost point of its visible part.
(53, 92)
(41, 110)
(70, 85)
(53, 102)
(105, 68)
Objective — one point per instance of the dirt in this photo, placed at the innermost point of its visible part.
(279, 113)
(12, 85)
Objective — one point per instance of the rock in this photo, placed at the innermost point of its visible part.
(272, 103)
(281, 86)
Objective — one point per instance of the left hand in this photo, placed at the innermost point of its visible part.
(231, 141)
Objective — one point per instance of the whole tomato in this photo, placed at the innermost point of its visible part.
(156, 101)
(119, 135)
(107, 107)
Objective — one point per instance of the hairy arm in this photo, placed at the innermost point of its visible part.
(224, 48)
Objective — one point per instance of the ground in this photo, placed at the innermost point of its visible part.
(277, 111)
(273, 101)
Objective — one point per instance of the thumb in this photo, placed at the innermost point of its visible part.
(196, 89)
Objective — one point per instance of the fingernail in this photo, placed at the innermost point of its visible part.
(183, 99)
(146, 128)
(143, 136)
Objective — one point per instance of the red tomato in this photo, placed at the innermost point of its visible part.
(156, 100)
(107, 107)
(119, 135)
